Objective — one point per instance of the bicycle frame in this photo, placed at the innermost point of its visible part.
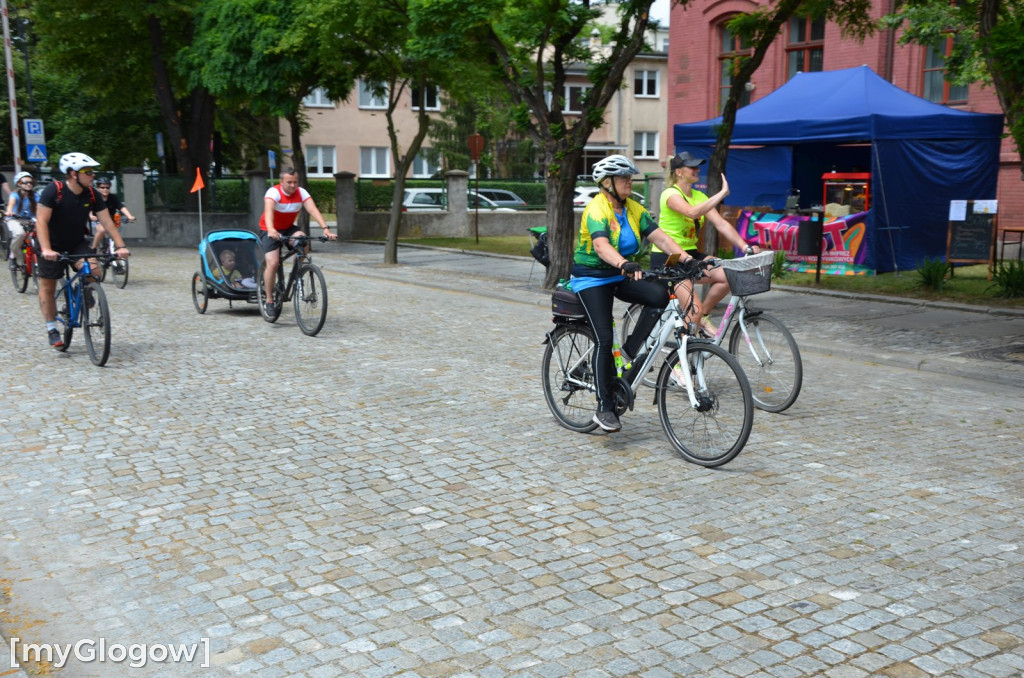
(77, 297)
(738, 306)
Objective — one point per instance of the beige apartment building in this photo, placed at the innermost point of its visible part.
(352, 135)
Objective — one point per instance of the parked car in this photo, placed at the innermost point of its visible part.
(501, 197)
(584, 194)
(436, 200)
(424, 199)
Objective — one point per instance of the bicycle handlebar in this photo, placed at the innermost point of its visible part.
(66, 258)
(692, 269)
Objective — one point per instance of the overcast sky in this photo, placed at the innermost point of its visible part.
(659, 11)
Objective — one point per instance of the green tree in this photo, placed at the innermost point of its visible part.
(253, 54)
(759, 29)
(988, 46)
(531, 45)
(123, 48)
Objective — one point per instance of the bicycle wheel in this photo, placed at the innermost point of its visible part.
(310, 299)
(628, 323)
(32, 265)
(96, 322)
(567, 372)
(120, 269)
(270, 314)
(62, 295)
(200, 293)
(771, 361)
(715, 431)
(19, 277)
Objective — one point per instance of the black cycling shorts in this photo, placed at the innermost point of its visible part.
(269, 244)
(54, 270)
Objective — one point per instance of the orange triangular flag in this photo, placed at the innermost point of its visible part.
(199, 182)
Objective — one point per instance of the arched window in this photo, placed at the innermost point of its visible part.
(730, 47)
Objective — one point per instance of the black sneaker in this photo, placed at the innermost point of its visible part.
(55, 339)
(607, 421)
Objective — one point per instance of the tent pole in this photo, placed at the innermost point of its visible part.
(888, 228)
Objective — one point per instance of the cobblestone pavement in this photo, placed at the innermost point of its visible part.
(396, 500)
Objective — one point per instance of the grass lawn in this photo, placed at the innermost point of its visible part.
(969, 285)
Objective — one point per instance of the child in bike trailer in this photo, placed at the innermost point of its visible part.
(21, 206)
(114, 206)
(612, 229)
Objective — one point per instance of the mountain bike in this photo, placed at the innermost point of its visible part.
(26, 268)
(760, 342)
(112, 262)
(703, 397)
(82, 303)
(305, 287)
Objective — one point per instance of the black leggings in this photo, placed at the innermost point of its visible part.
(597, 303)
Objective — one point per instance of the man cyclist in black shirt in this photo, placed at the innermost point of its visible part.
(62, 225)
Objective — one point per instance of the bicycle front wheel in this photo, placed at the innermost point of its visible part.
(62, 295)
(770, 358)
(310, 299)
(567, 372)
(715, 431)
(120, 269)
(19, 277)
(270, 313)
(96, 321)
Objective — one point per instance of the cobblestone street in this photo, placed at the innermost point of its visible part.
(393, 498)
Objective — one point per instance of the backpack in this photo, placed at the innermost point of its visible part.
(540, 250)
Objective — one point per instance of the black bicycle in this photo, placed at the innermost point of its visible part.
(305, 287)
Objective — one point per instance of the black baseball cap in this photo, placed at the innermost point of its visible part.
(685, 159)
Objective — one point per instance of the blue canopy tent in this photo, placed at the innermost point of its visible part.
(921, 155)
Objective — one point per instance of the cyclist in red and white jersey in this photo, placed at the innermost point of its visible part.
(281, 206)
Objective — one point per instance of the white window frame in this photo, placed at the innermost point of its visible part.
(375, 154)
(645, 144)
(368, 101)
(436, 98)
(648, 75)
(317, 169)
(567, 103)
(317, 99)
(421, 167)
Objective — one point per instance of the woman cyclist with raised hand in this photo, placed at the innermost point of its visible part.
(20, 207)
(612, 229)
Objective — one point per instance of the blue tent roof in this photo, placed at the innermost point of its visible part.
(853, 104)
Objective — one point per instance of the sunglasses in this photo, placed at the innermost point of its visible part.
(87, 173)
(26, 183)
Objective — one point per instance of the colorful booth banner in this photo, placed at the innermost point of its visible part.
(843, 244)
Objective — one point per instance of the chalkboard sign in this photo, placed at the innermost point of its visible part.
(972, 239)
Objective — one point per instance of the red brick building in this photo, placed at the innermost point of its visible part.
(700, 44)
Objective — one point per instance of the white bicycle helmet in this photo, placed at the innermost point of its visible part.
(22, 175)
(75, 161)
(614, 166)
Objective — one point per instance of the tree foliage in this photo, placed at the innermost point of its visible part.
(531, 46)
(988, 46)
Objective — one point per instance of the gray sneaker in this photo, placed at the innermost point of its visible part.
(607, 421)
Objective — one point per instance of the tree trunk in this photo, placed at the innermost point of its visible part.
(402, 164)
(563, 222)
(298, 157)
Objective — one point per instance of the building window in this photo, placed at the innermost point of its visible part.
(645, 84)
(935, 87)
(730, 47)
(805, 50)
(367, 98)
(426, 98)
(374, 162)
(320, 160)
(574, 95)
(318, 99)
(422, 167)
(645, 144)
